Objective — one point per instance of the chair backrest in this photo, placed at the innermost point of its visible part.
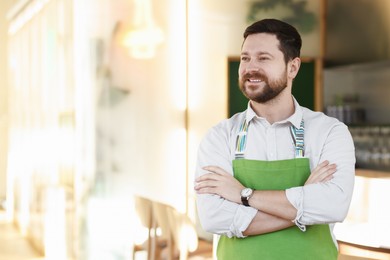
(143, 207)
(160, 212)
(183, 231)
(175, 227)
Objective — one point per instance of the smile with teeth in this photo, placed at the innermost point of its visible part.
(254, 80)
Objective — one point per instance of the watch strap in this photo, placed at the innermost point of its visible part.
(245, 201)
(246, 194)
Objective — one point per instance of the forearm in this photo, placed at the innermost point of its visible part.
(265, 223)
(223, 217)
(320, 203)
(273, 202)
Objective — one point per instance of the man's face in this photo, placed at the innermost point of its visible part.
(262, 71)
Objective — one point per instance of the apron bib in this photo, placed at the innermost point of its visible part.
(291, 243)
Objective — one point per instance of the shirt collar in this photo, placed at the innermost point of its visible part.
(250, 114)
(295, 119)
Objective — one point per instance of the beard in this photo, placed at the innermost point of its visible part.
(270, 90)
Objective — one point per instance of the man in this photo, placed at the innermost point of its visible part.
(274, 179)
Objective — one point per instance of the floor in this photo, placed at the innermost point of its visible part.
(15, 247)
(12, 245)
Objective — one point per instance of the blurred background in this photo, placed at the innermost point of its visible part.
(103, 104)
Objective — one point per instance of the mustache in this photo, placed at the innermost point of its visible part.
(255, 74)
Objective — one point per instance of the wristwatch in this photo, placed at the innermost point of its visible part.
(246, 194)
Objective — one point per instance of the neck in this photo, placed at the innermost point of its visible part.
(275, 110)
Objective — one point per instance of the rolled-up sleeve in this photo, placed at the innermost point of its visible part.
(328, 202)
(217, 215)
(222, 217)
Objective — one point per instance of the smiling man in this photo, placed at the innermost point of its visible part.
(273, 179)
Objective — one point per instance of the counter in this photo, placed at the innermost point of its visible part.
(367, 225)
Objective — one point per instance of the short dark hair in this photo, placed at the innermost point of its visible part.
(289, 38)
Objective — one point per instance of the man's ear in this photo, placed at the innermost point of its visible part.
(293, 67)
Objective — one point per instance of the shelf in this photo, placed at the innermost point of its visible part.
(368, 173)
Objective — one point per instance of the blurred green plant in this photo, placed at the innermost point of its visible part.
(304, 20)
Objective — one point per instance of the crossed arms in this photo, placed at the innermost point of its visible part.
(275, 212)
(324, 198)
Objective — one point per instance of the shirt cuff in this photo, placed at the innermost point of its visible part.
(243, 217)
(295, 197)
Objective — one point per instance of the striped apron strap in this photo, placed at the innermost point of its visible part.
(298, 138)
(241, 140)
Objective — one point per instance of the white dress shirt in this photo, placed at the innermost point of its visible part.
(325, 139)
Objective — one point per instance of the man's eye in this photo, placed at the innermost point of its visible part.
(244, 58)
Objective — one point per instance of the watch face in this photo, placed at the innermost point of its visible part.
(246, 192)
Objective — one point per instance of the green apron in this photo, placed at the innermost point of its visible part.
(314, 244)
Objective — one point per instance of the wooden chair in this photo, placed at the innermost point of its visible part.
(179, 231)
(144, 210)
(161, 212)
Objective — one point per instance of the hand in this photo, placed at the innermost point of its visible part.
(219, 182)
(322, 173)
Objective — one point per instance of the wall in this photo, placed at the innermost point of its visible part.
(357, 54)
(135, 118)
(41, 125)
(368, 81)
(357, 31)
(140, 103)
(4, 6)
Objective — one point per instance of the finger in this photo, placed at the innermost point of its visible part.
(205, 184)
(207, 190)
(215, 169)
(207, 176)
(330, 168)
(330, 177)
(324, 169)
(324, 163)
(324, 175)
(319, 167)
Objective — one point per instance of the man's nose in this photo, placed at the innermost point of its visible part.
(252, 67)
